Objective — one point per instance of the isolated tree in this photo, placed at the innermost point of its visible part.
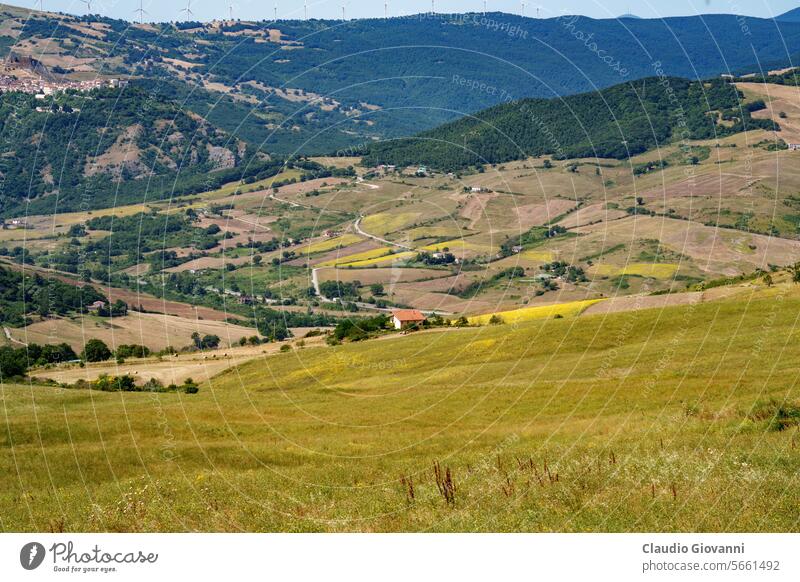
(796, 273)
(96, 350)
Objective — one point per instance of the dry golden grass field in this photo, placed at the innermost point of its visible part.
(675, 419)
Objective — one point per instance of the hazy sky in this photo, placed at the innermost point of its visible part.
(264, 9)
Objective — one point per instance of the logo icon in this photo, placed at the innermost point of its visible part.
(32, 555)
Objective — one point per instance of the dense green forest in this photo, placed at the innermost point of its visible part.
(618, 122)
(24, 295)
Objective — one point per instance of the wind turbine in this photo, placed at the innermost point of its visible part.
(188, 10)
(343, 14)
(41, 4)
(230, 11)
(305, 9)
(523, 7)
(141, 12)
(88, 5)
(433, 6)
(484, 7)
(386, 10)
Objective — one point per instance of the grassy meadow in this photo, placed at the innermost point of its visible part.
(682, 419)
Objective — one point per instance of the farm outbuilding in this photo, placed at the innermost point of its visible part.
(405, 317)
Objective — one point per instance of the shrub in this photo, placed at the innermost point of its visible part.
(778, 414)
(108, 383)
(153, 385)
(132, 351)
(189, 387)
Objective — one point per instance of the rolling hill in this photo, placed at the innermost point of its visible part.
(643, 421)
(618, 122)
(790, 16)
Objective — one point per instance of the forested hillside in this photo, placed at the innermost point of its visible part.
(618, 122)
(111, 146)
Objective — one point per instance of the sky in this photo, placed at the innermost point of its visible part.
(265, 9)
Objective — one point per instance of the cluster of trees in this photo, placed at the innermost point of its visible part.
(131, 237)
(359, 329)
(274, 325)
(206, 342)
(24, 295)
(127, 383)
(132, 351)
(444, 258)
(340, 289)
(14, 362)
(535, 235)
(569, 273)
(117, 309)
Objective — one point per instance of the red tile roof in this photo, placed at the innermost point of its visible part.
(408, 315)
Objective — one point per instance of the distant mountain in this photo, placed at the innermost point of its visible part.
(631, 16)
(320, 86)
(617, 122)
(791, 16)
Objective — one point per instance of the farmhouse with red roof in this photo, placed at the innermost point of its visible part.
(405, 317)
